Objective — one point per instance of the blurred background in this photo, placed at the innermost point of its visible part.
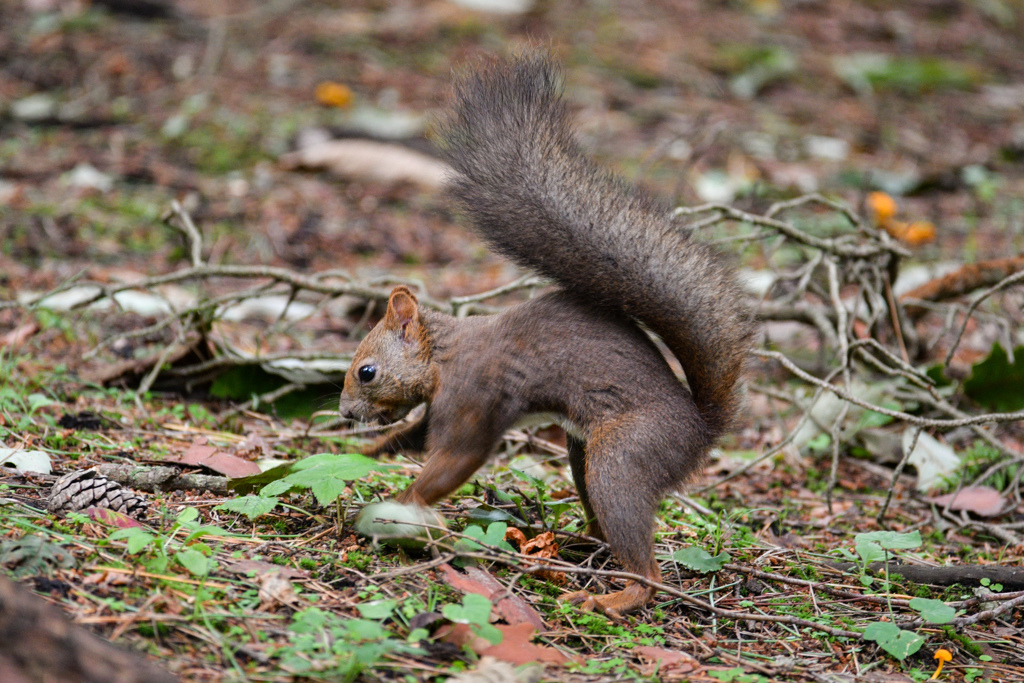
(297, 132)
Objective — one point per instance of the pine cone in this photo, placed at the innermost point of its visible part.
(83, 489)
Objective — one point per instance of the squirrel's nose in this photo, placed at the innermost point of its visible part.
(345, 408)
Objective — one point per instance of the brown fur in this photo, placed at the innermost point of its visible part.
(638, 432)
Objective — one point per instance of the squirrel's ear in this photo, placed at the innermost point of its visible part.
(403, 311)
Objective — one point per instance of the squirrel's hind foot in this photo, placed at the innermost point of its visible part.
(612, 605)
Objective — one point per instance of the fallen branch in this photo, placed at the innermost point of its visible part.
(164, 479)
(1012, 578)
(963, 281)
(38, 643)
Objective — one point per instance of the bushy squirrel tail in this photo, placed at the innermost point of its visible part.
(534, 197)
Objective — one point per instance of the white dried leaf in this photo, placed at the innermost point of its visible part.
(934, 461)
(371, 161)
(26, 461)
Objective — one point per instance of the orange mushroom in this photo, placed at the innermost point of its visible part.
(882, 206)
(943, 655)
(332, 94)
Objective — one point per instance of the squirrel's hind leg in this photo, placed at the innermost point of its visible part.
(578, 466)
(622, 486)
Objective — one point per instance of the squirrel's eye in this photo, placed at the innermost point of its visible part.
(367, 373)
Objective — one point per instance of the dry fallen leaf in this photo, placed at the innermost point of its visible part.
(516, 646)
(668, 665)
(984, 501)
(509, 607)
(274, 589)
(542, 546)
(371, 161)
(19, 335)
(200, 454)
(260, 568)
(112, 518)
(488, 670)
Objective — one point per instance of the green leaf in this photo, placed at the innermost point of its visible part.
(699, 560)
(194, 561)
(138, 539)
(256, 482)
(348, 466)
(377, 609)
(487, 514)
(325, 474)
(494, 536)
(767, 65)
(529, 478)
(906, 644)
(894, 640)
(364, 629)
(250, 506)
(206, 530)
(736, 675)
(275, 488)
(489, 633)
(937, 374)
(891, 540)
(871, 419)
(820, 442)
(995, 383)
(847, 554)
(865, 72)
(475, 609)
(157, 564)
(311, 620)
(37, 401)
(327, 489)
(933, 611)
(417, 634)
(187, 515)
(870, 552)
(881, 632)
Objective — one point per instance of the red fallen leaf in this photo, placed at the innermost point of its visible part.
(981, 500)
(199, 454)
(668, 664)
(19, 335)
(511, 608)
(516, 646)
(112, 518)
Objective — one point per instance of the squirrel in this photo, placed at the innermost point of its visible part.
(634, 431)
